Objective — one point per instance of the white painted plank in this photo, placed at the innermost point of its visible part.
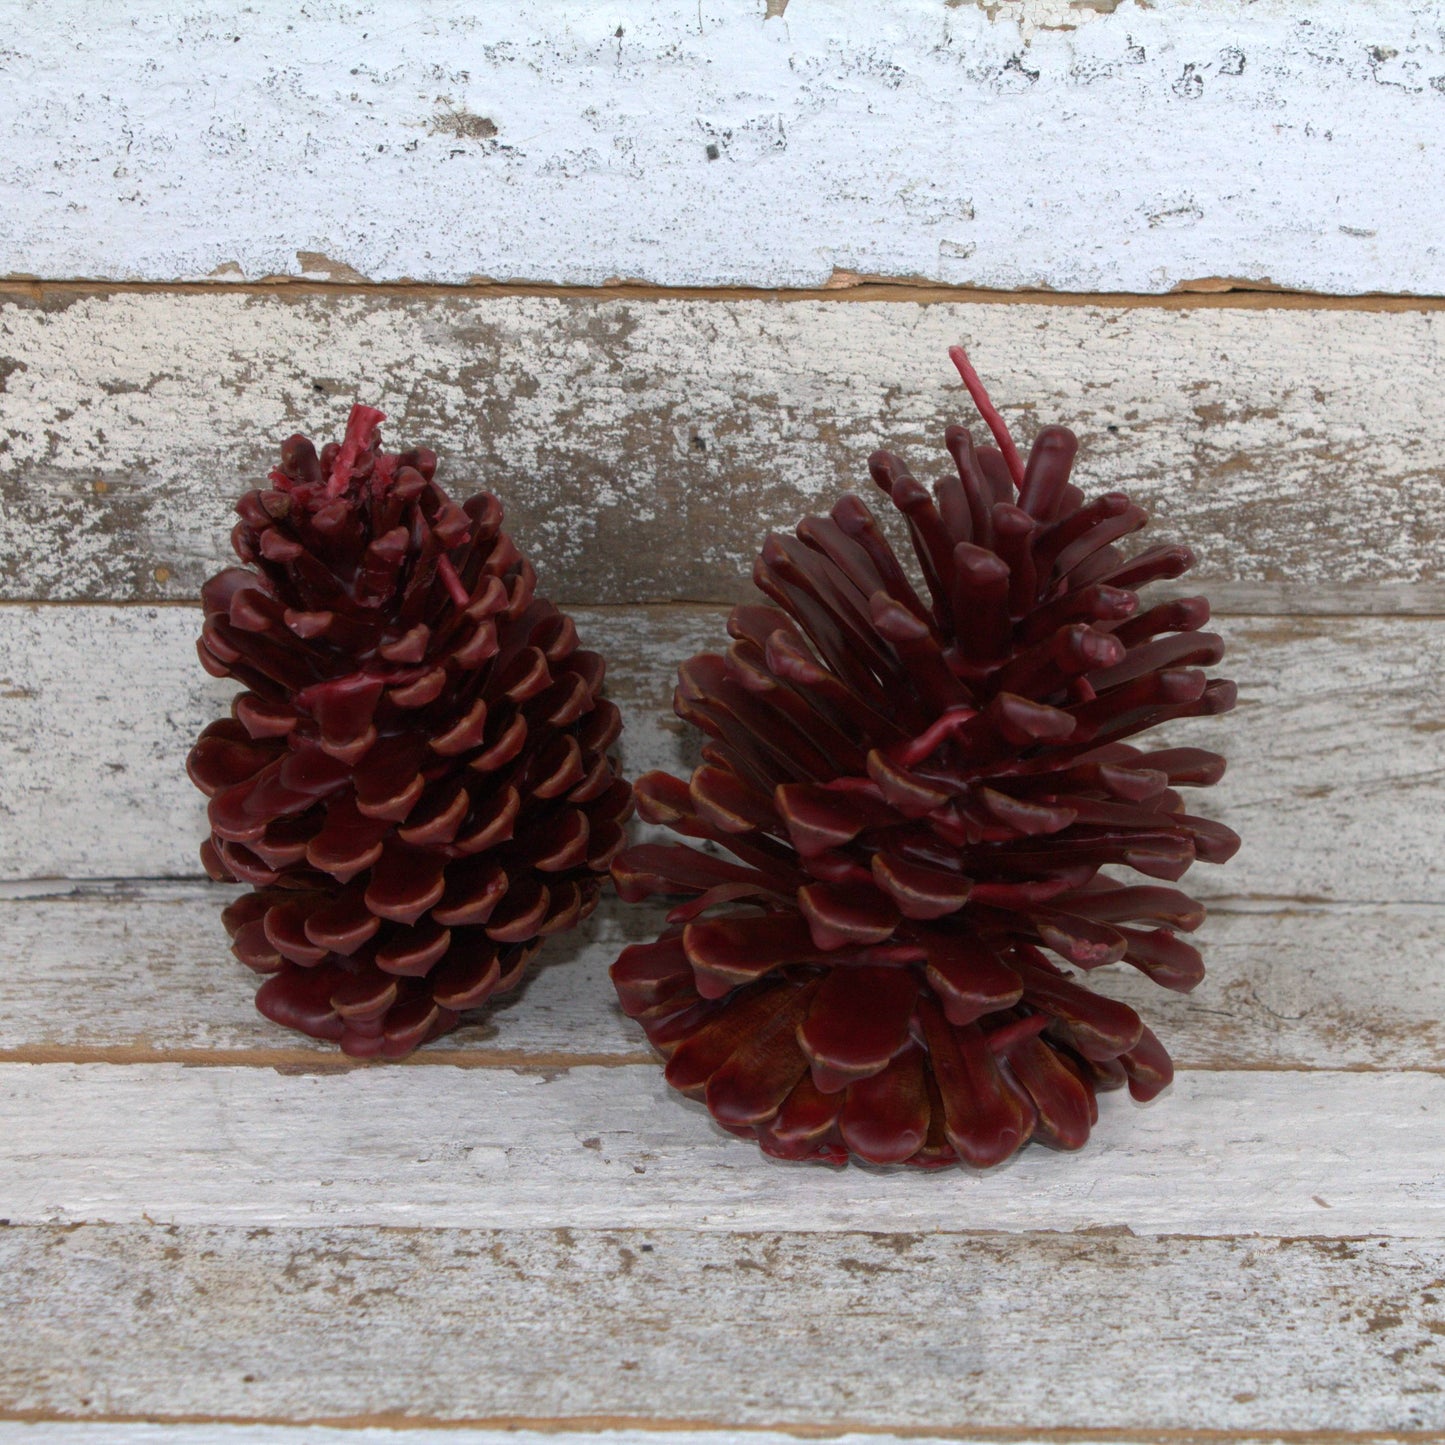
(644, 447)
(141, 973)
(899, 1332)
(1337, 756)
(1076, 147)
(1337, 1154)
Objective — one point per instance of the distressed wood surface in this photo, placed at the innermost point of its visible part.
(115, 1431)
(1077, 146)
(141, 973)
(644, 447)
(1250, 1152)
(1335, 782)
(781, 1329)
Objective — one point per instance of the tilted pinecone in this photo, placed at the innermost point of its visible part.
(416, 779)
(921, 797)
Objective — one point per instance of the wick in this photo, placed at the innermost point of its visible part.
(989, 412)
(360, 436)
(454, 584)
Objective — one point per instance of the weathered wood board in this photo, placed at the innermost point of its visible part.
(781, 1328)
(1077, 146)
(1335, 776)
(141, 973)
(115, 1431)
(1229, 1152)
(644, 447)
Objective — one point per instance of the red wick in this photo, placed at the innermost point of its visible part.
(989, 412)
(361, 428)
(453, 583)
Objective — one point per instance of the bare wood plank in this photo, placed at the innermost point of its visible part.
(141, 973)
(786, 1330)
(1335, 778)
(145, 1432)
(644, 447)
(115, 1431)
(1036, 144)
(1337, 1154)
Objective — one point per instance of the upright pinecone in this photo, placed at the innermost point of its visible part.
(921, 797)
(416, 779)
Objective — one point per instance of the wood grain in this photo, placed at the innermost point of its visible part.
(1337, 754)
(1072, 146)
(772, 1328)
(644, 447)
(115, 1431)
(141, 973)
(1253, 1152)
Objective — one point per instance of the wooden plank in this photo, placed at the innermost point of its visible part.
(140, 973)
(1259, 1152)
(113, 1431)
(644, 447)
(1077, 147)
(1335, 778)
(146, 1432)
(143, 973)
(99, 706)
(863, 1331)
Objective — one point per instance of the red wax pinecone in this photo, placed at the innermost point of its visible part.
(415, 779)
(921, 795)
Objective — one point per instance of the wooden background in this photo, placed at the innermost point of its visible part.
(662, 275)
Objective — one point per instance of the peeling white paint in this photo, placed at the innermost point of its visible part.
(992, 144)
(644, 448)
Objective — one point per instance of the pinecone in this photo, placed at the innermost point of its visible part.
(921, 798)
(415, 780)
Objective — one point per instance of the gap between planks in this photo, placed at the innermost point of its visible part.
(304, 1061)
(1423, 602)
(1203, 293)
